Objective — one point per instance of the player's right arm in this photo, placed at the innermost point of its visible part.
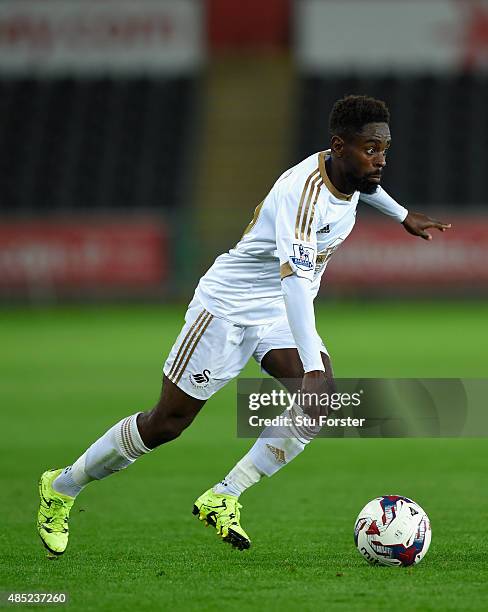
(301, 317)
(296, 242)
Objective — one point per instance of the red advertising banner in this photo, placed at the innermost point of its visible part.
(57, 37)
(86, 254)
(381, 254)
(233, 24)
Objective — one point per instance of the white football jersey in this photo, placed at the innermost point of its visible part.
(296, 229)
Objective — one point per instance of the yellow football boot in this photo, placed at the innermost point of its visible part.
(52, 518)
(222, 512)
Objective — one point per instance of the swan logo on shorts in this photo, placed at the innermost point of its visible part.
(303, 257)
(200, 380)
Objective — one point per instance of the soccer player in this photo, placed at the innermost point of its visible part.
(255, 301)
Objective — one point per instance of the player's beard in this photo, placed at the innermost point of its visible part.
(368, 187)
(363, 184)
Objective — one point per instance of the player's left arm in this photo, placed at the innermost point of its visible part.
(385, 204)
(417, 224)
(414, 223)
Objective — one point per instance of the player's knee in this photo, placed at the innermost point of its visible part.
(168, 427)
(167, 432)
(159, 426)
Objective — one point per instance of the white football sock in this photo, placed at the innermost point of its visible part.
(240, 478)
(275, 447)
(118, 448)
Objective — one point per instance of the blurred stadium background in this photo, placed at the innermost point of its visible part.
(137, 138)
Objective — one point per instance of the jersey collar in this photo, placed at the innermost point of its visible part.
(323, 156)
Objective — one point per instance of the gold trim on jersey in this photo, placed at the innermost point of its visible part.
(315, 189)
(285, 270)
(325, 177)
(252, 223)
(308, 236)
(308, 233)
(313, 176)
(186, 343)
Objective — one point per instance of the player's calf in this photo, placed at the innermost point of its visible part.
(129, 439)
(276, 446)
(115, 450)
(173, 413)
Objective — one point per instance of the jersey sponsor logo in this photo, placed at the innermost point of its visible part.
(324, 256)
(303, 257)
(324, 230)
(200, 379)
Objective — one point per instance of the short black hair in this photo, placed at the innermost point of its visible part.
(350, 114)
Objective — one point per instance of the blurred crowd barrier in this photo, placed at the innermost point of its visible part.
(107, 258)
(138, 137)
(380, 258)
(45, 260)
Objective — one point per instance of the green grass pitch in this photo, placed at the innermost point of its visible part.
(68, 374)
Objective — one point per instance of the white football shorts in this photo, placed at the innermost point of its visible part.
(211, 351)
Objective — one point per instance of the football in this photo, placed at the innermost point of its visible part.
(392, 530)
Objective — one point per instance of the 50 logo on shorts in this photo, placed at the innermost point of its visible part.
(303, 257)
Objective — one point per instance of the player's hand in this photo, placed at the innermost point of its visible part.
(417, 223)
(315, 384)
